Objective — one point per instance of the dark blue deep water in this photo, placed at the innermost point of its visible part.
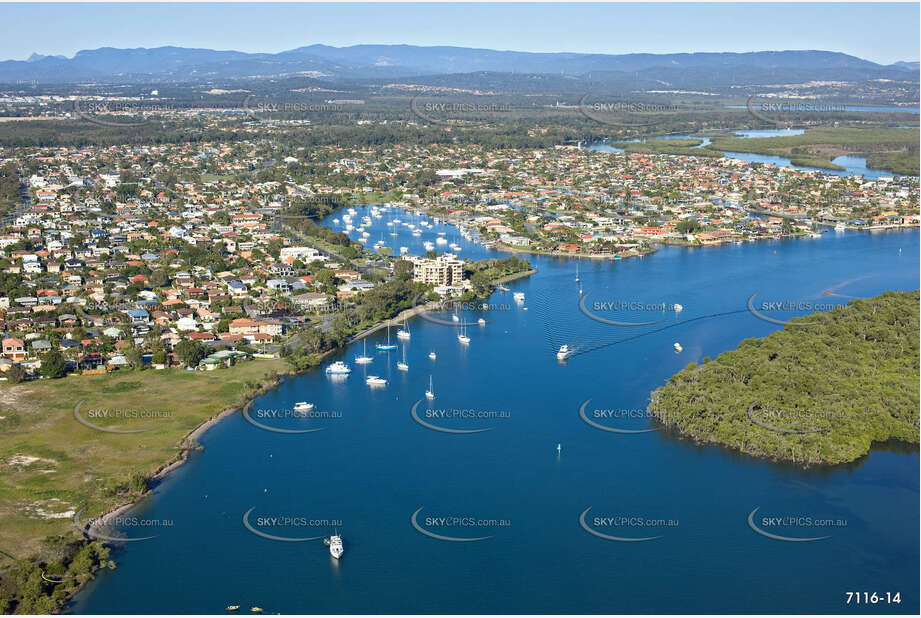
(374, 466)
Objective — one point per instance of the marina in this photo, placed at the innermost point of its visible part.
(514, 453)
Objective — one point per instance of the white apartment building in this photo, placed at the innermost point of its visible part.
(304, 254)
(444, 270)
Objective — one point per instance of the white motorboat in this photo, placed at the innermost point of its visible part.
(375, 381)
(678, 347)
(335, 546)
(564, 352)
(432, 355)
(338, 368)
(303, 406)
(519, 297)
(481, 322)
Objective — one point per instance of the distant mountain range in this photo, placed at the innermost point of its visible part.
(386, 62)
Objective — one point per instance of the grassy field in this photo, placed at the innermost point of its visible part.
(51, 464)
(817, 147)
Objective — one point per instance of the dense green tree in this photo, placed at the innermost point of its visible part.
(189, 352)
(53, 364)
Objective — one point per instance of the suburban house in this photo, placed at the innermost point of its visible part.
(14, 349)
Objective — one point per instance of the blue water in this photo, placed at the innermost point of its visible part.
(375, 466)
(381, 229)
(852, 165)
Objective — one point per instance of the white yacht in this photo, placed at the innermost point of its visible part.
(481, 322)
(375, 381)
(430, 393)
(364, 359)
(455, 318)
(840, 227)
(338, 368)
(404, 333)
(432, 355)
(678, 308)
(564, 352)
(678, 347)
(335, 546)
(303, 406)
(401, 365)
(519, 297)
(441, 240)
(429, 245)
(385, 347)
(462, 337)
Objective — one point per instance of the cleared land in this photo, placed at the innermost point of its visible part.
(51, 464)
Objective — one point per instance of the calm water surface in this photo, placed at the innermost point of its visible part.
(374, 467)
(852, 165)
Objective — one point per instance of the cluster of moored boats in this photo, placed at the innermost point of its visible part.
(352, 223)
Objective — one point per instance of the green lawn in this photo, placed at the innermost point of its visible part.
(51, 464)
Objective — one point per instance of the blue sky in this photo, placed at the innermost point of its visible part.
(880, 32)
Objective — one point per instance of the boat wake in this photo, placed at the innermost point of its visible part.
(569, 320)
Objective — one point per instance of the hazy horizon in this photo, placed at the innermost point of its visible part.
(881, 33)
